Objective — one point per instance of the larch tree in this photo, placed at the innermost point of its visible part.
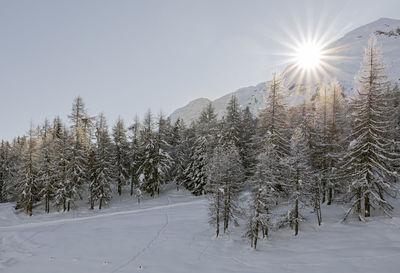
(154, 161)
(263, 195)
(101, 180)
(121, 155)
(225, 180)
(48, 169)
(81, 129)
(27, 183)
(368, 163)
(134, 157)
(298, 164)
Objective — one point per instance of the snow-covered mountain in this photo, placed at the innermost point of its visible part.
(350, 50)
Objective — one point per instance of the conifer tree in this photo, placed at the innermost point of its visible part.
(195, 174)
(178, 151)
(78, 161)
(48, 170)
(134, 157)
(27, 174)
(369, 162)
(225, 180)
(63, 144)
(247, 141)
(263, 196)
(299, 179)
(272, 131)
(100, 184)
(154, 161)
(5, 170)
(232, 124)
(121, 155)
(273, 119)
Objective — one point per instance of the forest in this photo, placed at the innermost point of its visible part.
(331, 147)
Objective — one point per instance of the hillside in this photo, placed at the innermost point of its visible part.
(350, 48)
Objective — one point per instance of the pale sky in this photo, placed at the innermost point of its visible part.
(124, 57)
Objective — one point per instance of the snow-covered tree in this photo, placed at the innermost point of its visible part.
(178, 152)
(27, 174)
(154, 162)
(48, 169)
(368, 164)
(195, 175)
(297, 185)
(5, 170)
(247, 141)
(272, 131)
(121, 155)
(273, 119)
(232, 132)
(134, 157)
(263, 195)
(64, 184)
(100, 185)
(225, 180)
(81, 132)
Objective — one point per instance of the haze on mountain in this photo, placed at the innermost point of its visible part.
(349, 53)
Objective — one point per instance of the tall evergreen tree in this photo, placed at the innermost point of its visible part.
(121, 155)
(154, 161)
(64, 184)
(368, 164)
(48, 170)
(78, 161)
(263, 195)
(298, 184)
(195, 174)
(247, 141)
(27, 184)
(100, 185)
(134, 157)
(5, 170)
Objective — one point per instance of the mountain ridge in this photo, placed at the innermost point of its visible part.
(351, 49)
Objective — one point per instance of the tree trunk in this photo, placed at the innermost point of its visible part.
(359, 203)
(217, 214)
(101, 202)
(366, 205)
(256, 235)
(330, 193)
(119, 188)
(296, 209)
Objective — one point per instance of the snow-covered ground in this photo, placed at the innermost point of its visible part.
(171, 234)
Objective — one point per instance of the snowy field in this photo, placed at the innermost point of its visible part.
(171, 234)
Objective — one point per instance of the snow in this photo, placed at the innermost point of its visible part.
(171, 234)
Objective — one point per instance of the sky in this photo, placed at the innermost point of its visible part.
(125, 57)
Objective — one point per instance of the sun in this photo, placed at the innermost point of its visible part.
(308, 55)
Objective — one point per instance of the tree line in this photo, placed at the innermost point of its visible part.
(329, 148)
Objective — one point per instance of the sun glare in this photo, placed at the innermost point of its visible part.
(308, 55)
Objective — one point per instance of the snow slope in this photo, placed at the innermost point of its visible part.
(350, 50)
(171, 234)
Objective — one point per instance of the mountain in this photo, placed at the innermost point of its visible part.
(350, 51)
